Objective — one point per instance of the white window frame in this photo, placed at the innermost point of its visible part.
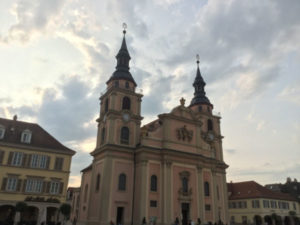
(34, 186)
(2, 131)
(17, 159)
(11, 184)
(26, 136)
(34, 161)
(43, 161)
(54, 187)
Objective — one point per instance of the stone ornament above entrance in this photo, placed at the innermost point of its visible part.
(184, 134)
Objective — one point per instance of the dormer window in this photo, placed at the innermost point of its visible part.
(26, 136)
(2, 131)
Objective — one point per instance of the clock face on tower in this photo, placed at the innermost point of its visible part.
(126, 117)
(211, 136)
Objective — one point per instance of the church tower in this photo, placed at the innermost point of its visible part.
(112, 171)
(119, 121)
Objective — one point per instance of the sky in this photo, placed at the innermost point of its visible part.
(55, 57)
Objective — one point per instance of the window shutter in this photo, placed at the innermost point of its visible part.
(48, 162)
(45, 186)
(48, 187)
(56, 164)
(24, 160)
(61, 163)
(28, 164)
(61, 187)
(19, 184)
(24, 185)
(10, 158)
(1, 156)
(3, 186)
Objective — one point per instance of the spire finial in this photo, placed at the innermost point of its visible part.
(124, 25)
(198, 59)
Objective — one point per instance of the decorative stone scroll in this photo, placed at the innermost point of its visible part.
(184, 134)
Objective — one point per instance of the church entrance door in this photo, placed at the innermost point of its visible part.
(185, 208)
(120, 212)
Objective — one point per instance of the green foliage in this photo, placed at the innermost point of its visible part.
(21, 206)
(65, 209)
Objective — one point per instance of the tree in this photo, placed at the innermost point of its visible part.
(21, 206)
(65, 209)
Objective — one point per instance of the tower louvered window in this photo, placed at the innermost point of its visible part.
(124, 135)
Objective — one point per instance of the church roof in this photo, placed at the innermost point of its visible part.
(251, 189)
(199, 94)
(39, 137)
(122, 68)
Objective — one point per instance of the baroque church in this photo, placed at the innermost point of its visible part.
(169, 171)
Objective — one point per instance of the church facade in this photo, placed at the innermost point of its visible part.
(168, 171)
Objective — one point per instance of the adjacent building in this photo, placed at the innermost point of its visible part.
(252, 203)
(291, 187)
(34, 168)
(170, 170)
(73, 199)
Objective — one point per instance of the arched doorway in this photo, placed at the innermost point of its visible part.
(287, 220)
(30, 215)
(7, 214)
(257, 220)
(278, 220)
(51, 217)
(268, 219)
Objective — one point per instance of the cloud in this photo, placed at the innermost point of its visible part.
(291, 93)
(266, 173)
(32, 16)
(65, 116)
(231, 151)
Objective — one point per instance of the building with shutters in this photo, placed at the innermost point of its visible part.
(34, 168)
(252, 203)
(171, 169)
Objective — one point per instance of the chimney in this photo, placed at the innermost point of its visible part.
(15, 117)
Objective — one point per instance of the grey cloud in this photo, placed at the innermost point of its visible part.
(31, 16)
(23, 111)
(153, 102)
(80, 161)
(267, 172)
(227, 34)
(65, 116)
(132, 12)
(230, 151)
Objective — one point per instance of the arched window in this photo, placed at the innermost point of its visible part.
(102, 135)
(206, 188)
(209, 125)
(124, 135)
(200, 108)
(106, 105)
(127, 84)
(26, 136)
(153, 185)
(185, 187)
(98, 182)
(116, 83)
(122, 182)
(85, 192)
(126, 103)
(2, 131)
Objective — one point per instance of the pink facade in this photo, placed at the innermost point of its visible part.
(169, 170)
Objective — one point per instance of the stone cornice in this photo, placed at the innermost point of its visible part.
(40, 149)
(171, 116)
(205, 161)
(107, 148)
(113, 90)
